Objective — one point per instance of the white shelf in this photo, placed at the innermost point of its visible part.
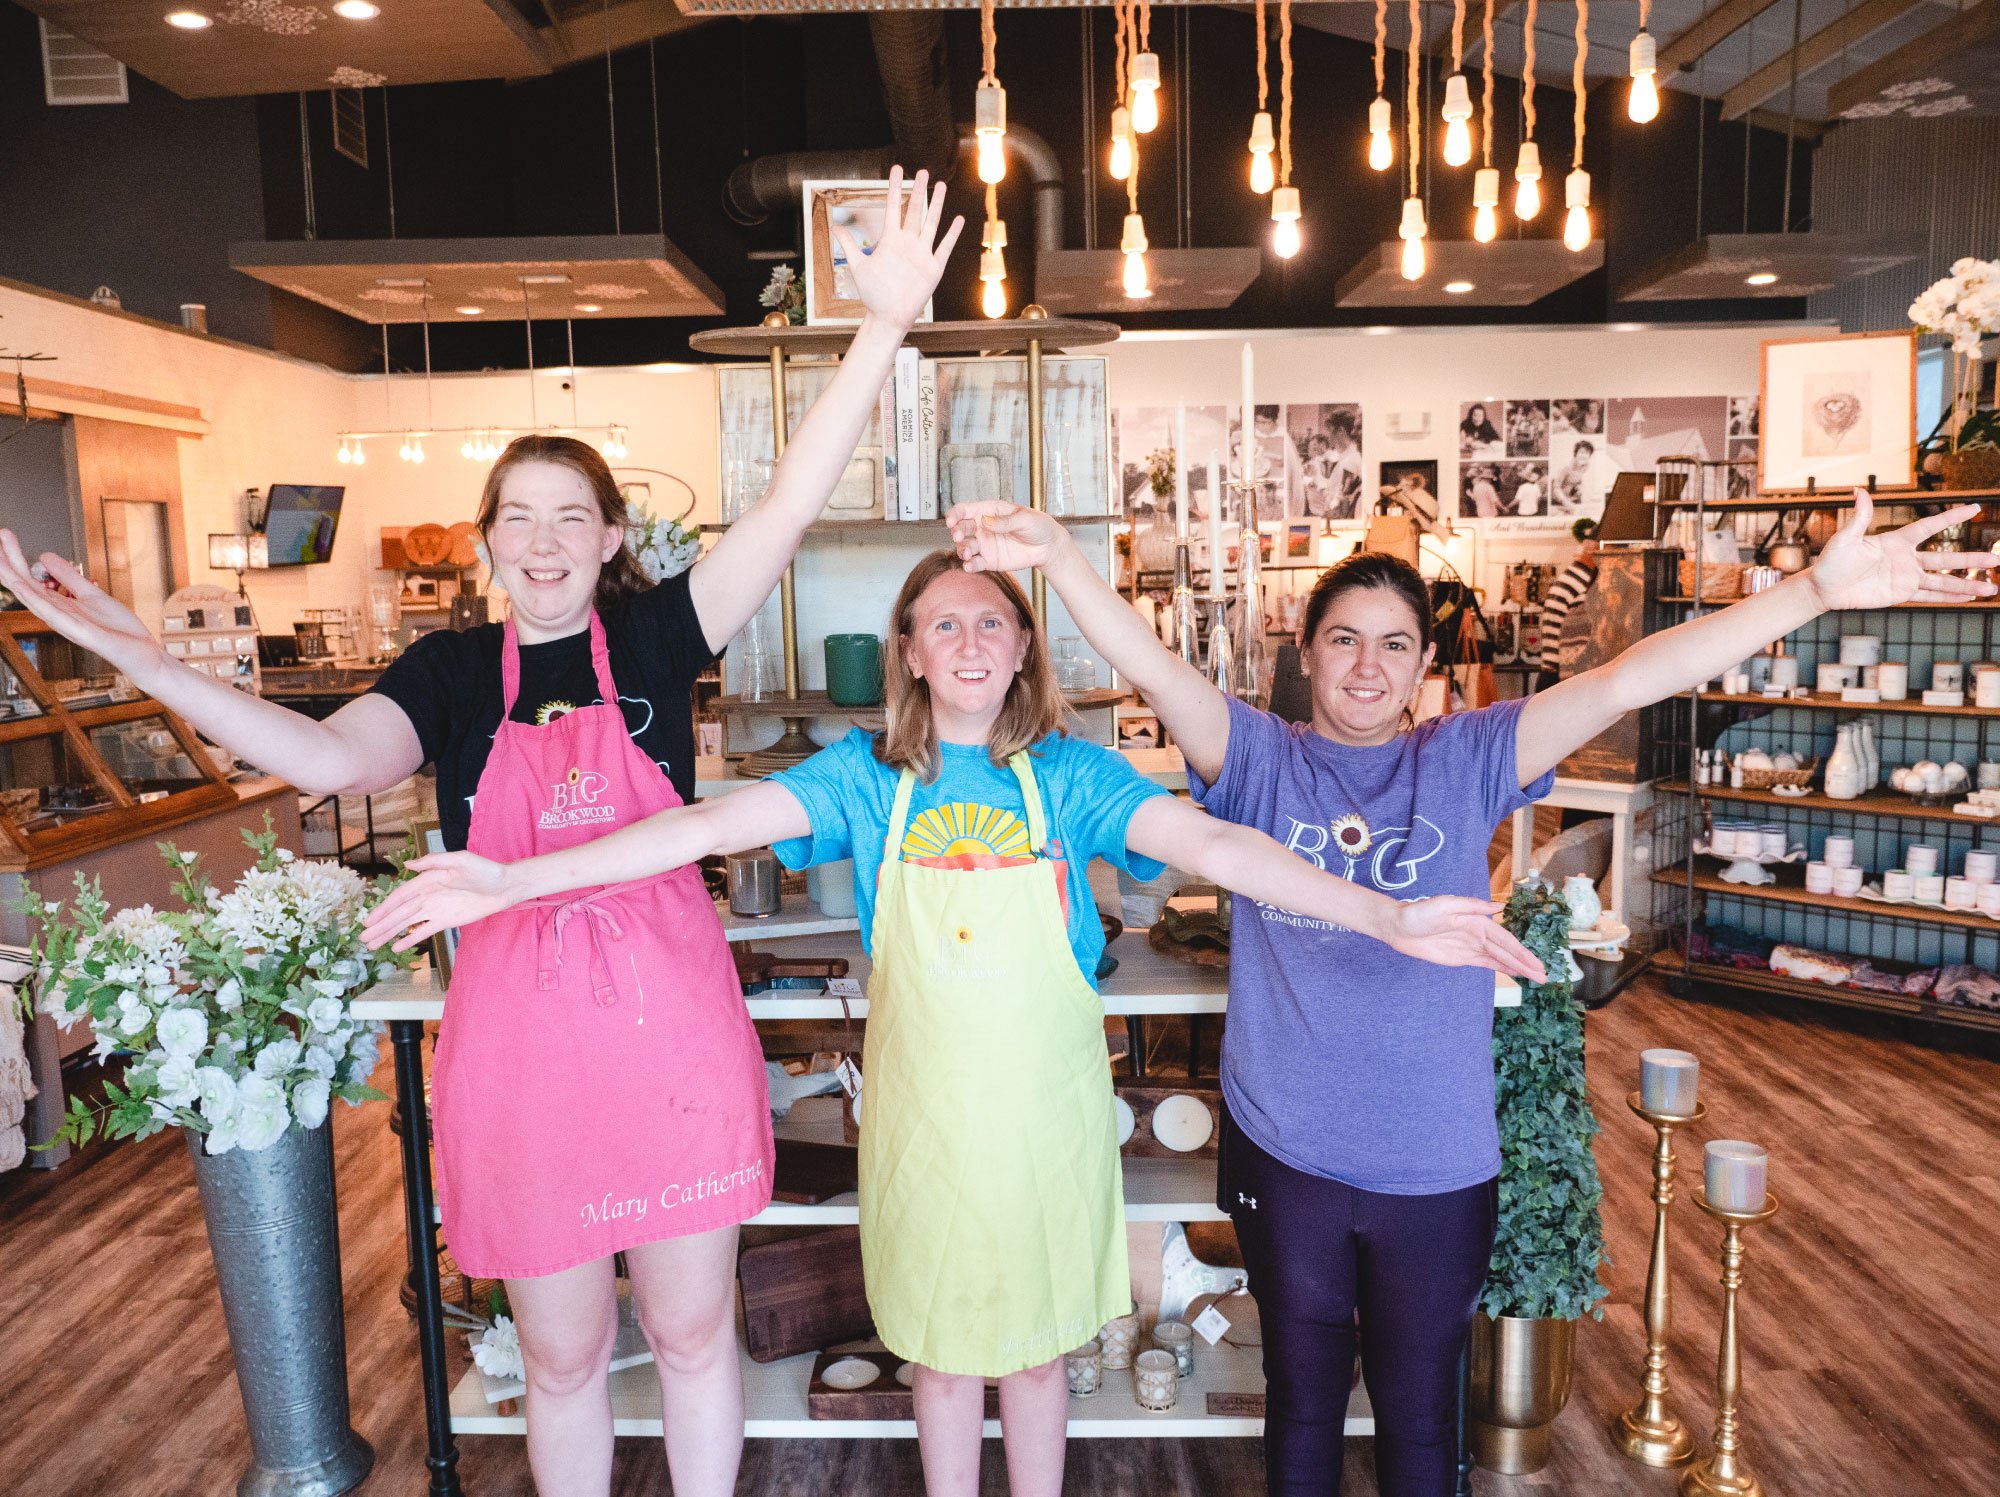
(774, 1404)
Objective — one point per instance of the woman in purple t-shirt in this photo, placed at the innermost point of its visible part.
(1359, 1152)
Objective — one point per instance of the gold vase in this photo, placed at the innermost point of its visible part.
(1521, 1373)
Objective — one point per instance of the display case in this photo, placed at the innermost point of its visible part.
(85, 759)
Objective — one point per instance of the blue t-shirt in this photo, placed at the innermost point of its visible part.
(1342, 1056)
(974, 806)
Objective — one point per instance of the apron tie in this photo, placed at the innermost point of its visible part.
(598, 921)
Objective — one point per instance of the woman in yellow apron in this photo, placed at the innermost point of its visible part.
(992, 1220)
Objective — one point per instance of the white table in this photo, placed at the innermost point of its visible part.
(1622, 803)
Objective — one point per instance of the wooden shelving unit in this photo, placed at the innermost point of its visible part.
(1874, 803)
(1825, 702)
(1672, 964)
(1843, 499)
(1791, 889)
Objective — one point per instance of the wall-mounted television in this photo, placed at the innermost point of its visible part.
(300, 522)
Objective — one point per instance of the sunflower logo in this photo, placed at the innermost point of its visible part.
(575, 775)
(964, 935)
(1351, 835)
(548, 712)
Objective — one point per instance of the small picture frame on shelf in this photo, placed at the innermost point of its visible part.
(1138, 730)
(859, 492)
(1837, 411)
(420, 590)
(1299, 540)
(1267, 541)
(858, 208)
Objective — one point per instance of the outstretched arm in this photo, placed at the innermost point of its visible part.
(1855, 570)
(367, 745)
(895, 279)
(1448, 930)
(457, 888)
(994, 536)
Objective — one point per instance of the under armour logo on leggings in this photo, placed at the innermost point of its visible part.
(1243, 1200)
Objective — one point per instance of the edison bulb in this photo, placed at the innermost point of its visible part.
(1263, 176)
(1457, 143)
(1135, 276)
(992, 156)
(993, 300)
(345, 454)
(1286, 240)
(360, 456)
(1485, 224)
(1413, 258)
(1644, 102)
(1121, 157)
(1576, 228)
(1145, 110)
(1527, 198)
(1381, 154)
(417, 452)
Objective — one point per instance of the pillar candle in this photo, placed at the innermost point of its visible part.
(1215, 556)
(1668, 1081)
(1734, 1174)
(1181, 473)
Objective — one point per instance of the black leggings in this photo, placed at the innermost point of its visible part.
(1317, 1251)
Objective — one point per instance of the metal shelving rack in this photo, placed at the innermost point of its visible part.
(1894, 938)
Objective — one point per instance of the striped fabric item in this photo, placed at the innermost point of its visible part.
(1564, 594)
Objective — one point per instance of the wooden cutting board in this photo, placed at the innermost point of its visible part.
(803, 1292)
(885, 1398)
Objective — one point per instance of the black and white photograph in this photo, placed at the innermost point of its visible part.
(1581, 471)
(1743, 418)
(1143, 438)
(1526, 485)
(1743, 469)
(1527, 428)
(1479, 492)
(1414, 480)
(1584, 417)
(1280, 474)
(1327, 440)
(1479, 433)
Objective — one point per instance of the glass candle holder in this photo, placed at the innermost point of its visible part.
(1085, 1368)
(1734, 1175)
(1119, 1340)
(1669, 1081)
(1155, 1381)
(1177, 1339)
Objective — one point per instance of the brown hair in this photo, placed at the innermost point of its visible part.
(1032, 710)
(619, 577)
(1370, 569)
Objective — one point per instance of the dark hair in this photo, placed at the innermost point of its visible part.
(1366, 569)
(619, 577)
(1583, 446)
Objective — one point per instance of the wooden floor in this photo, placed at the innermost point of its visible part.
(1871, 1315)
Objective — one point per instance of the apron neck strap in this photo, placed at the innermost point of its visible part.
(510, 666)
(1031, 799)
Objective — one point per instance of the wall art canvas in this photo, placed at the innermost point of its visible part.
(1327, 441)
(859, 208)
(1838, 410)
(1143, 440)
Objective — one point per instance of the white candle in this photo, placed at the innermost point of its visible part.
(1214, 527)
(1180, 472)
(1668, 1081)
(1734, 1175)
(1249, 437)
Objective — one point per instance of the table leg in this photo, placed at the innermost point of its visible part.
(441, 1453)
(1621, 867)
(1524, 842)
(1135, 1026)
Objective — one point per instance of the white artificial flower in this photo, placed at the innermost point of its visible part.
(189, 857)
(221, 1137)
(326, 1014)
(106, 1043)
(133, 1021)
(218, 1094)
(365, 1050)
(328, 987)
(324, 1062)
(177, 1081)
(257, 1128)
(183, 1031)
(309, 1101)
(279, 1057)
(497, 1352)
(130, 1002)
(229, 997)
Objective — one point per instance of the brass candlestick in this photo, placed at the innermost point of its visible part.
(1650, 1432)
(1723, 1474)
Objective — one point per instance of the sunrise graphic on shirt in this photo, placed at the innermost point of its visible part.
(963, 829)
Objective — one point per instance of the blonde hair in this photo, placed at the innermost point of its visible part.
(619, 577)
(1034, 705)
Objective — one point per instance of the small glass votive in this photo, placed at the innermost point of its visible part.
(1989, 774)
(1085, 1367)
(1948, 675)
(1784, 672)
(1155, 1381)
(1847, 882)
(1119, 1340)
(1892, 679)
(1177, 1338)
(1921, 858)
(1819, 878)
(1838, 852)
(1669, 1082)
(1734, 1175)
(1898, 884)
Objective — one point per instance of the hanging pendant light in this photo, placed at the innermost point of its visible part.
(1528, 164)
(1457, 111)
(989, 113)
(1412, 232)
(1413, 228)
(1486, 181)
(992, 262)
(1485, 202)
(1121, 143)
(1576, 197)
(1643, 103)
(346, 453)
(1133, 246)
(1381, 148)
(1285, 213)
(1263, 175)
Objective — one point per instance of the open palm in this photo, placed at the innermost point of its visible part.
(1452, 931)
(897, 276)
(1859, 570)
(451, 889)
(992, 535)
(76, 608)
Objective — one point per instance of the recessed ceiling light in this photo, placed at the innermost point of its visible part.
(1761, 278)
(470, 311)
(1457, 288)
(588, 306)
(357, 10)
(189, 20)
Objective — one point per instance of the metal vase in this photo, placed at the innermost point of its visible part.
(274, 1235)
(1520, 1382)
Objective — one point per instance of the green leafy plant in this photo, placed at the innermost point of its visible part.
(1550, 1239)
(1160, 471)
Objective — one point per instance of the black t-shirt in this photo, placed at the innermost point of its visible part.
(448, 685)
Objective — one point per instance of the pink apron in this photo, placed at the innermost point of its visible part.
(598, 1084)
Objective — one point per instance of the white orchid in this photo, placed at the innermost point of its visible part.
(176, 1081)
(326, 1014)
(497, 1352)
(183, 1031)
(309, 1101)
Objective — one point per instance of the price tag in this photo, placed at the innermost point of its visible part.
(1210, 1325)
(843, 987)
(849, 1075)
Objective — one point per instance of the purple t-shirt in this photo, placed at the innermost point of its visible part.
(1342, 1056)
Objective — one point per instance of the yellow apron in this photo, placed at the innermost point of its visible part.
(992, 1209)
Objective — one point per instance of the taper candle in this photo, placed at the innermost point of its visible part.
(1180, 473)
(1248, 440)
(1215, 557)
(1669, 1081)
(1734, 1175)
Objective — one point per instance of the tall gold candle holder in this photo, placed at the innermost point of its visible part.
(1650, 1432)
(1724, 1474)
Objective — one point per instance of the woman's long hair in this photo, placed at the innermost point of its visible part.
(1034, 705)
(619, 577)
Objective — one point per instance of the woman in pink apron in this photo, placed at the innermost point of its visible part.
(598, 1087)
(992, 1221)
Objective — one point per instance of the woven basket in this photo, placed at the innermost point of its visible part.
(1720, 580)
(1767, 779)
(1972, 468)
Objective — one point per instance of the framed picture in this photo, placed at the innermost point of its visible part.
(859, 208)
(1267, 542)
(1837, 411)
(1299, 540)
(444, 945)
(1414, 481)
(1138, 730)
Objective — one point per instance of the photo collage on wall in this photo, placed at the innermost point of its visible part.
(1555, 459)
(1308, 459)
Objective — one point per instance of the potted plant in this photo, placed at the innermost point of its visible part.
(1964, 450)
(1550, 1237)
(234, 1014)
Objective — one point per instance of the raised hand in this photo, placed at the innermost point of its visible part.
(1859, 570)
(994, 536)
(75, 607)
(897, 276)
(451, 889)
(1456, 932)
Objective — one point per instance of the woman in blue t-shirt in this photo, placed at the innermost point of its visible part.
(1359, 1149)
(992, 1230)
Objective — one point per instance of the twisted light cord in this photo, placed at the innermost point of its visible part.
(1528, 72)
(1410, 107)
(986, 38)
(1263, 81)
(1486, 104)
(1285, 92)
(1576, 76)
(1457, 35)
(1381, 43)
